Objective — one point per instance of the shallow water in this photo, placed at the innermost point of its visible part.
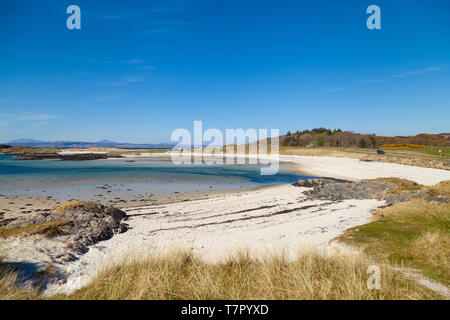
(116, 178)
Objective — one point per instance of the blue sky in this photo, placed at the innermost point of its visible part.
(139, 69)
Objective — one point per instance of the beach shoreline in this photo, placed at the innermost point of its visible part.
(215, 225)
(350, 169)
(255, 221)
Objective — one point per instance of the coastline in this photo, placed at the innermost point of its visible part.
(346, 169)
(256, 221)
(215, 224)
(350, 169)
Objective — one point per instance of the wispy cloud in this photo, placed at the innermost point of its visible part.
(105, 61)
(371, 80)
(159, 18)
(329, 90)
(334, 89)
(420, 71)
(34, 119)
(148, 68)
(133, 61)
(112, 17)
(109, 97)
(405, 74)
(123, 82)
(100, 61)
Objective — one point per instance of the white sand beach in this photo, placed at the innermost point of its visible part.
(345, 168)
(273, 218)
(270, 218)
(355, 169)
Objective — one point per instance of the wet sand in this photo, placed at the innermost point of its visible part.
(275, 218)
(19, 206)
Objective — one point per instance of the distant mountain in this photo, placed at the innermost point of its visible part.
(32, 143)
(26, 141)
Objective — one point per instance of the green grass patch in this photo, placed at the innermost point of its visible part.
(48, 229)
(426, 150)
(411, 234)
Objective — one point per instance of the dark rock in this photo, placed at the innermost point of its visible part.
(63, 157)
(6, 222)
(114, 154)
(123, 227)
(38, 156)
(84, 156)
(311, 183)
(366, 189)
(90, 223)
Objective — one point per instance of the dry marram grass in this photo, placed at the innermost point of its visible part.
(180, 275)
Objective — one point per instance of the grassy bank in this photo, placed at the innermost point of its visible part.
(313, 275)
(414, 234)
(423, 151)
(46, 228)
(411, 234)
(8, 286)
(429, 161)
(179, 275)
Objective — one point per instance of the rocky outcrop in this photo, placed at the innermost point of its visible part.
(38, 156)
(365, 189)
(311, 183)
(41, 246)
(64, 157)
(84, 156)
(325, 189)
(87, 224)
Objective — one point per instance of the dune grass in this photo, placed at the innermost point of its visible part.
(312, 275)
(48, 229)
(412, 234)
(440, 189)
(178, 274)
(402, 185)
(8, 286)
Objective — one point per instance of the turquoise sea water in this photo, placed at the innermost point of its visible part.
(80, 179)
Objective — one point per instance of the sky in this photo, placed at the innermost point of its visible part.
(137, 70)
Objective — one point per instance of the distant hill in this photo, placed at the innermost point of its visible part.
(26, 141)
(31, 143)
(319, 137)
(108, 141)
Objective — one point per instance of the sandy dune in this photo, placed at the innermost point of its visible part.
(270, 218)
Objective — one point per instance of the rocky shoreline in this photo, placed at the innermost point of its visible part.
(52, 240)
(64, 157)
(20, 153)
(49, 240)
(390, 190)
